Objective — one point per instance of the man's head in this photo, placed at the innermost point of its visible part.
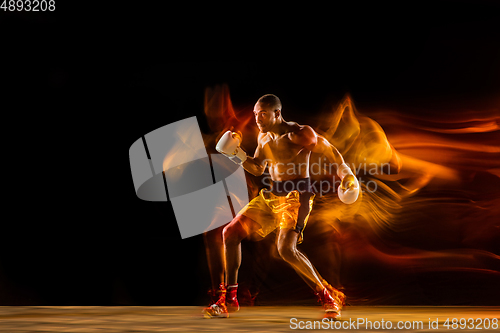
(267, 112)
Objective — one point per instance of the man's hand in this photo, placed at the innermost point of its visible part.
(349, 187)
(229, 145)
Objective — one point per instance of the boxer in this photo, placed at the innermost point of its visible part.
(285, 148)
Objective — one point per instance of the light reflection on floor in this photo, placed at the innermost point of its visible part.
(249, 319)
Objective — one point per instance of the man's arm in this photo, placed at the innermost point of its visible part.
(256, 164)
(326, 148)
(308, 138)
(348, 189)
(229, 145)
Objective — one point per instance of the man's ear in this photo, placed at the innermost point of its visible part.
(277, 113)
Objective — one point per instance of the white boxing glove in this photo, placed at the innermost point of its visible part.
(229, 145)
(348, 193)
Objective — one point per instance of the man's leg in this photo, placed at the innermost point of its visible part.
(286, 242)
(287, 247)
(232, 235)
(215, 257)
(328, 255)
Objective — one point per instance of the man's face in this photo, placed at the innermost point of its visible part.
(265, 116)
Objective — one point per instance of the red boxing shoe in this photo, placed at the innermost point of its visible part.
(217, 309)
(231, 298)
(335, 293)
(331, 306)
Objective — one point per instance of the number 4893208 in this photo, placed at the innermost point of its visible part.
(470, 323)
(28, 5)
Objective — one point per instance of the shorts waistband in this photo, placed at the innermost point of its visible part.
(286, 186)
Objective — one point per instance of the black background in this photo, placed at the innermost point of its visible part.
(81, 84)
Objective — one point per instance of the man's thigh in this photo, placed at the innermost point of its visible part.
(242, 226)
(258, 217)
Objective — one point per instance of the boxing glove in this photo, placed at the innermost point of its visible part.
(229, 145)
(349, 187)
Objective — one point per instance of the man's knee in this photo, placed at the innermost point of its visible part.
(234, 232)
(287, 252)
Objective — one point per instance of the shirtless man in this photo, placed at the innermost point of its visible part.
(284, 147)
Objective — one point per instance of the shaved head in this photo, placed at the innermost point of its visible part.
(270, 100)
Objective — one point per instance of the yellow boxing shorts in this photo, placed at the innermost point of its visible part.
(287, 205)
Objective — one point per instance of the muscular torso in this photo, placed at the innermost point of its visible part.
(285, 159)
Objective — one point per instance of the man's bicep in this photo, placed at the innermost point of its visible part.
(323, 146)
